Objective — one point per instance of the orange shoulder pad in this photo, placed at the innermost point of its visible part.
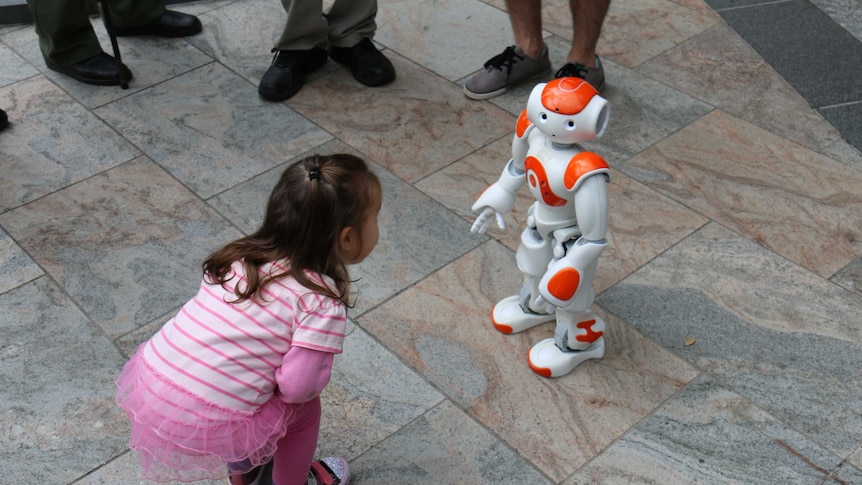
(523, 124)
(582, 164)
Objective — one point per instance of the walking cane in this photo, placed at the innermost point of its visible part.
(106, 18)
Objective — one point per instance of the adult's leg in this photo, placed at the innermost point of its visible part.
(305, 28)
(134, 13)
(587, 19)
(292, 460)
(526, 19)
(351, 21)
(66, 36)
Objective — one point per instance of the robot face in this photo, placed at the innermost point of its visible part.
(568, 110)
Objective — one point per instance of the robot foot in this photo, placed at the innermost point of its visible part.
(546, 359)
(510, 317)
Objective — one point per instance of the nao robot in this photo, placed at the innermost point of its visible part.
(566, 226)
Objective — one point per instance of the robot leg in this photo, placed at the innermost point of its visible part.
(577, 338)
(520, 312)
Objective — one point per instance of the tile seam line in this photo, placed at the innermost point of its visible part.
(841, 105)
(754, 5)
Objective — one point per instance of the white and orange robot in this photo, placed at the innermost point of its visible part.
(566, 226)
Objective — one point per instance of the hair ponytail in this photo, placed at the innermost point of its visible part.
(314, 199)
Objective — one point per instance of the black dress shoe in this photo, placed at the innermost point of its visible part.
(170, 24)
(4, 120)
(367, 64)
(285, 76)
(100, 70)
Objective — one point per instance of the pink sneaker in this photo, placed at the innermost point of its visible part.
(332, 470)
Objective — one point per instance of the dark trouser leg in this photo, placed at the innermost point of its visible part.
(135, 13)
(66, 36)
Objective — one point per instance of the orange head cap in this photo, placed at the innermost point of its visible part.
(567, 95)
(568, 110)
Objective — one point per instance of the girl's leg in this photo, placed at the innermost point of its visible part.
(295, 452)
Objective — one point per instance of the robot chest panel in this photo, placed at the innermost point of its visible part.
(545, 174)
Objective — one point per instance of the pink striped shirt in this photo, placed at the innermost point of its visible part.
(227, 353)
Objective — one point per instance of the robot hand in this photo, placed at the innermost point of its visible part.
(541, 302)
(483, 220)
(498, 199)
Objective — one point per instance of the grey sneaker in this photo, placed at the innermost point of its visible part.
(593, 75)
(505, 70)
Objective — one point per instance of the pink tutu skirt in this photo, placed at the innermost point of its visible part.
(179, 436)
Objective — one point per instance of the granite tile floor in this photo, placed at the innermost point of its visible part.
(732, 286)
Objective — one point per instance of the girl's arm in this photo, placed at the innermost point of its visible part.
(303, 374)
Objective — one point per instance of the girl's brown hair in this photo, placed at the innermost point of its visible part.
(313, 201)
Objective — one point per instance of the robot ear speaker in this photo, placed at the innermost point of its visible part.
(602, 121)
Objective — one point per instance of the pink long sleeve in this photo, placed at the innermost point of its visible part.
(303, 374)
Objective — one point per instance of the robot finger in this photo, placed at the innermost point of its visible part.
(500, 222)
(481, 223)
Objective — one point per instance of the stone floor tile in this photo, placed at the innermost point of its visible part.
(126, 244)
(846, 473)
(14, 69)
(210, 130)
(718, 68)
(125, 470)
(361, 406)
(844, 153)
(850, 276)
(856, 458)
(818, 57)
(57, 372)
(846, 12)
(16, 267)
(846, 119)
(441, 327)
(798, 203)
(709, 434)
(483, 31)
(128, 343)
(444, 446)
(769, 330)
(39, 154)
(636, 31)
(413, 127)
(152, 60)
(417, 237)
(642, 113)
(245, 204)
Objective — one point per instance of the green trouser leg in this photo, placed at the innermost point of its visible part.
(66, 35)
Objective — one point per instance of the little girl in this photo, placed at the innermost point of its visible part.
(230, 386)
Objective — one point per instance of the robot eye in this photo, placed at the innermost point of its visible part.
(544, 116)
(570, 125)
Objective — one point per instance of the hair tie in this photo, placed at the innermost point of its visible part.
(314, 173)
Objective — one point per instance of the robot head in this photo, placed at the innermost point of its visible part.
(568, 110)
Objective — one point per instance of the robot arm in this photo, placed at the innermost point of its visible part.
(498, 198)
(520, 145)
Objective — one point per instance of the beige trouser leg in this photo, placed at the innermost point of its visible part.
(346, 23)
